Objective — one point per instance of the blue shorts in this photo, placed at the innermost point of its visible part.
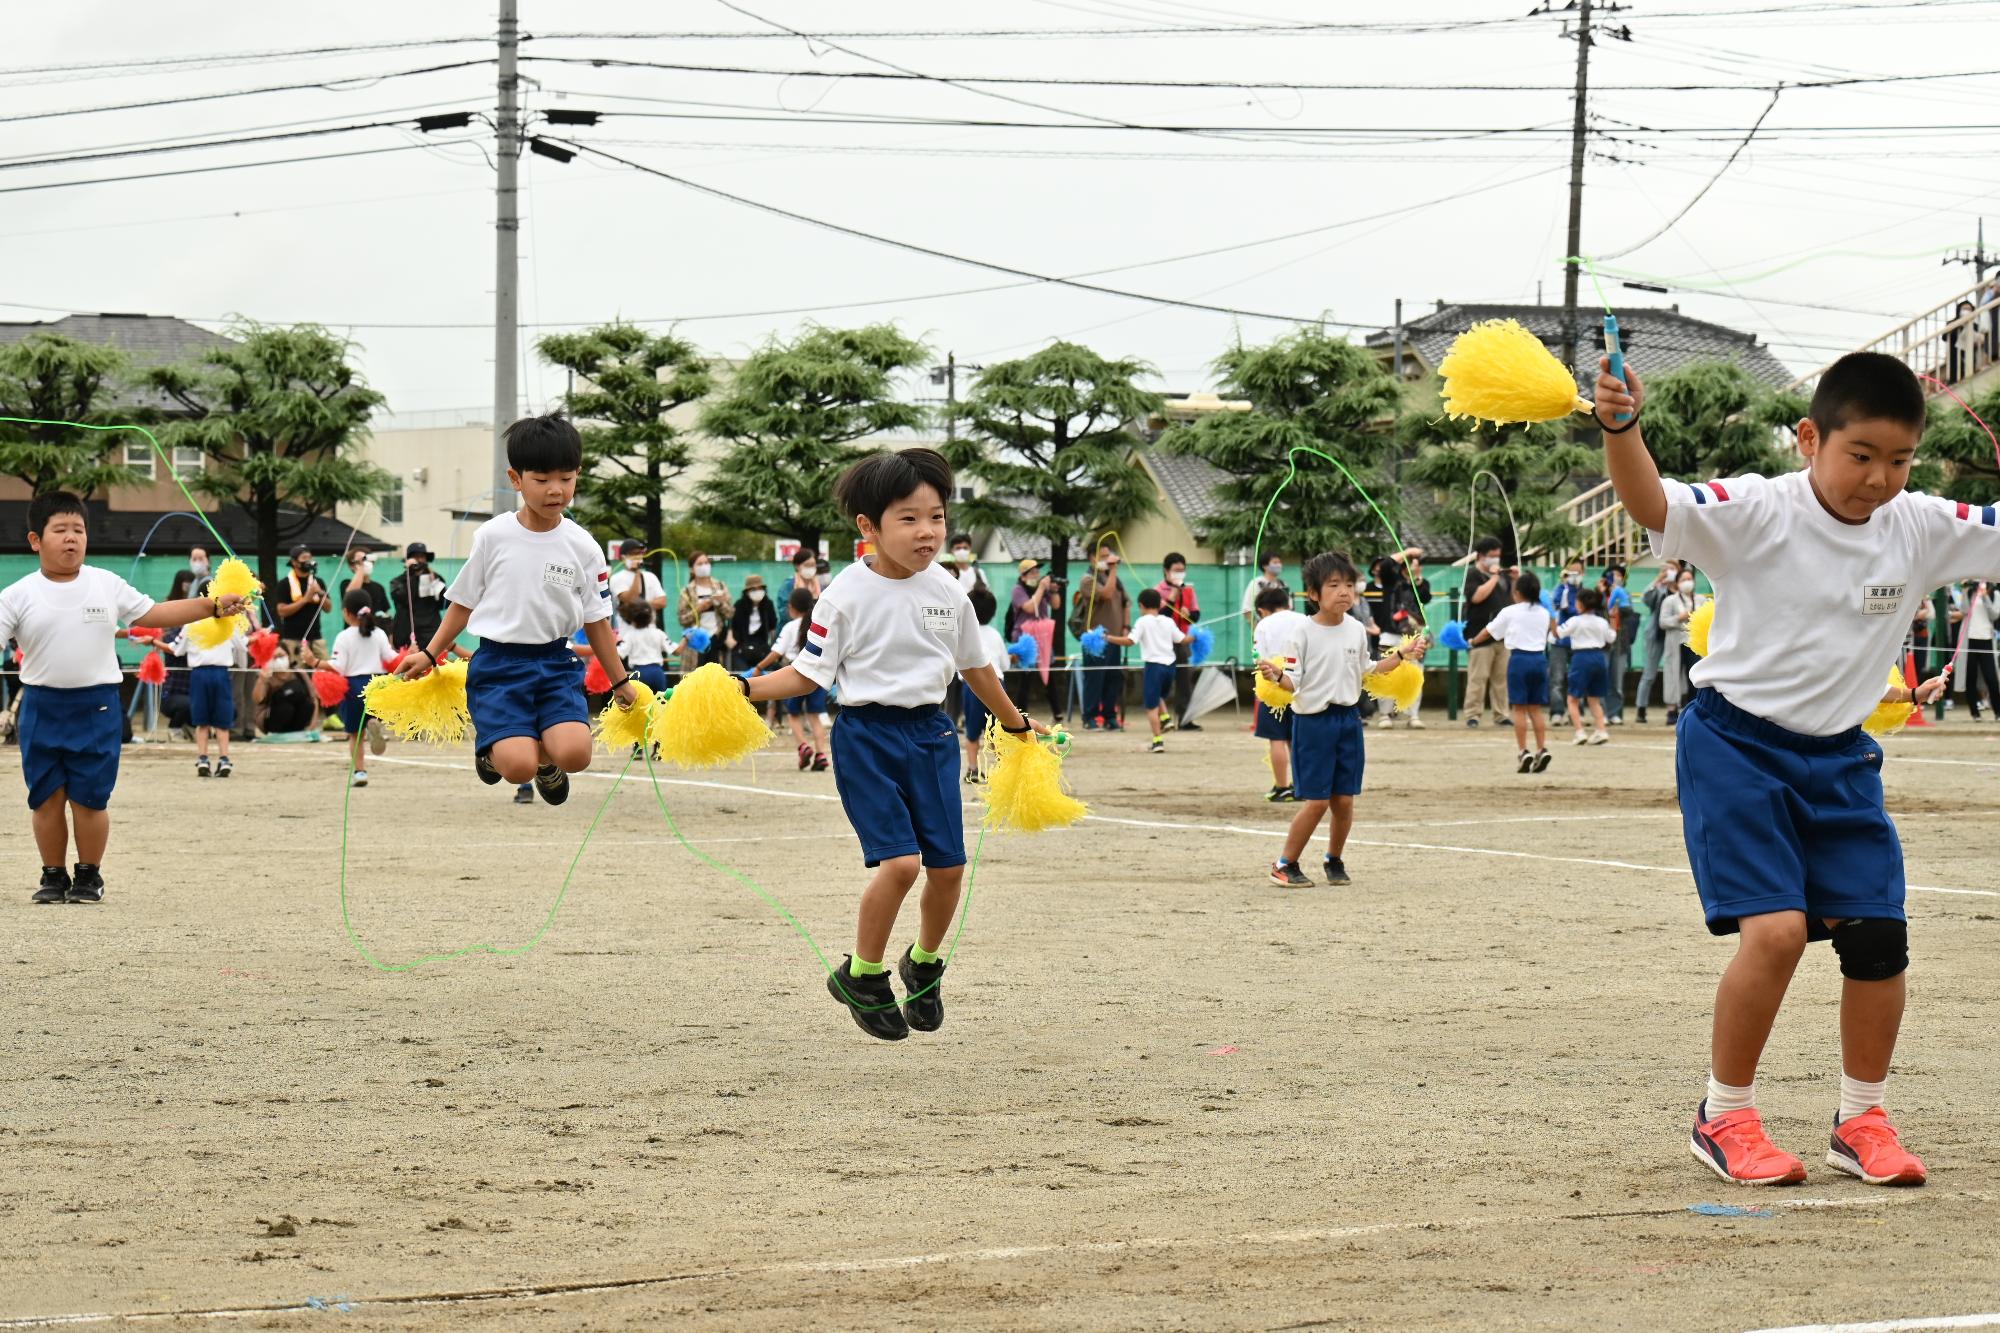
(1589, 673)
(976, 715)
(1159, 682)
(1527, 678)
(652, 674)
(807, 703)
(352, 712)
(211, 698)
(1327, 753)
(523, 689)
(1778, 822)
(896, 770)
(1268, 726)
(69, 743)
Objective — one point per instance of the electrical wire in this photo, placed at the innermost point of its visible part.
(1735, 153)
(326, 85)
(221, 166)
(100, 156)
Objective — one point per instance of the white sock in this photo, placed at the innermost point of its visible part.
(1723, 1098)
(1856, 1096)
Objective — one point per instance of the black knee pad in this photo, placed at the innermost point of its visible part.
(1872, 949)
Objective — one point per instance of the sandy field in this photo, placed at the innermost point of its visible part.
(1168, 1094)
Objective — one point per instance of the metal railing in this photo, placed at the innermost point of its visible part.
(1941, 342)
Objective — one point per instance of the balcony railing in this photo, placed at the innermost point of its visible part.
(1942, 342)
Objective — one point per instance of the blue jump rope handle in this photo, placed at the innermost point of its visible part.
(1617, 355)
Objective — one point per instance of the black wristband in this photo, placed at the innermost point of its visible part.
(1613, 430)
(1025, 726)
(616, 683)
(744, 681)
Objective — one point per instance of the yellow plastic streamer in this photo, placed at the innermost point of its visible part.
(1024, 784)
(1403, 683)
(706, 722)
(1498, 371)
(430, 708)
(232, 578)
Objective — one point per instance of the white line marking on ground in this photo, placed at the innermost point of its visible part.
(1894, 1325)
(640, 777)
(546, 1291)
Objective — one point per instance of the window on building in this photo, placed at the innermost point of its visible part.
(139, 457)
(187, 461)
(392, 504)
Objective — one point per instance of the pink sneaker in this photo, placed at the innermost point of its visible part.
(1735, 1147)
(1866, 1146)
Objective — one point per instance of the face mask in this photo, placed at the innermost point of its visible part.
(1177, 578)
(198, 567)
(755, 594)
(808, 572)
(1490, 563)
(1572, 579)
(701, 570)
(280, 662)
(1687, 585)
(632, 562)
(307, 567)
(961, 557)
(1273, 571)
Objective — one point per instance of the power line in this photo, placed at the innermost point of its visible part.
(198, 144)
(328, 85)
(222, 166)
(1720, 171)
(238, 57)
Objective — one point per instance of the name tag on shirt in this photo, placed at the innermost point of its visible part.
(941, 621)
(1881, 599)
(97, 615)
(555, 575)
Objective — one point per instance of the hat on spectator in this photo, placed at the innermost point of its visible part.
(301, 549)
(415, 549)
(1027, 565)
(753, 581)
(631, 546)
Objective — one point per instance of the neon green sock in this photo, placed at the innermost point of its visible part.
(919, 954)
(861, 967)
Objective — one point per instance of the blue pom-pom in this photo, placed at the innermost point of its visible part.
(1024, 652)
(1200, 644)
(697, 639)
(1548, 603)
(1092, 642)
(1452, 636)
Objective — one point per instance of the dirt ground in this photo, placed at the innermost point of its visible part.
(1167, 1095)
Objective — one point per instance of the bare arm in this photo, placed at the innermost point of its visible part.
(446, 638)
(1485, 589)
(788, 683)
(984, 681)
(166, 615)
(1480, 639)
(1633, 473)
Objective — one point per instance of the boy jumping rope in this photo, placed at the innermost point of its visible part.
(1158, 637)
(65, 616)
(1325, 658)
(889, 632)
(1277, 625)
(1780, 789)
(533, 579)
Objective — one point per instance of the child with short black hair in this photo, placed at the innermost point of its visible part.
(361, 652)
(1158, 639)
(65, 618)
(984, 604)
(888, 632)
(211, 696)
(1326, 657)
(1277, 625)
(806, 709)
(533, 579)
(646, 646)
(1589, 635)
(1815, 574)
(1523, 625)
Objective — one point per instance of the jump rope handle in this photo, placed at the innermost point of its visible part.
(1617, 356)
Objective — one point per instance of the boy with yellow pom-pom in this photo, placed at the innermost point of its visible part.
(889, 631)
(1780, 788)
(1326, 656)
(533, 579)
(65, 617)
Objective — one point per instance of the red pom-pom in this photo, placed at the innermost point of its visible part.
(153, 671)
(263, 647)
(594, 679)
(395, 662)
(330, 686)
(141, 634)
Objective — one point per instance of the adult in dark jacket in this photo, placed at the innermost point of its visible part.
(420, 598)
(753, 624)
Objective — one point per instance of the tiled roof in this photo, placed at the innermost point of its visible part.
(149, 340)
(1658, 339)
(1189, 482)
(120, 531)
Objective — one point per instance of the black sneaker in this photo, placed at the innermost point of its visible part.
(1642, 717)
(923, 984)
(88, 886)
(553, 784)
(201, 767)
(1472, 722)
(223, 768)
(871, 1001)
(1336, 873)
(1527, 762)
(55, 886)
(1190, 726)
(1288, 874)
(1542, 761)
(524, 794)
(482, 764)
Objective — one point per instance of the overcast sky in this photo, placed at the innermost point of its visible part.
(364, 243)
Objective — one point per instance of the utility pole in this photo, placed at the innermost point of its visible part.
(507, 254)
(951, 395)
(1977, 256)
(1578, 131)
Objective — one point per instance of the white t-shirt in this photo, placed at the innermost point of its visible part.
(1522, 626)
(891, 641)
(67, 629)
(650, 590)
(786, 645)
(1156, 635)
(532, 587)
(222, 655)
(1275, 632)
(1585, 630)
(358, 654)
(1257, 585)
(996, 647)
(1326, 662)
(1810, 611)
(1984, 612)
(646, 647)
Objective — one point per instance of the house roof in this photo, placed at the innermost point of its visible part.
(122, 531)
(149, 340)
(1189, 482)
(1659, 339)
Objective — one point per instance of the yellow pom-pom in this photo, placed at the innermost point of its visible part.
(1498, 371)
(1402, 683)
(1024, 784)
(1698, 626)
(429, 708)
(213, 633)
(1270, 693)
(1888, 719)
(232, 579)
(620, 728)
(706, 722)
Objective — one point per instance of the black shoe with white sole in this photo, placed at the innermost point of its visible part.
(1542, 761)
(87, 885)
(923, 986)
(871, 1000)
(55, 886)
(482, 764)
(1289, 875)
(1335, 870)
(553, 784)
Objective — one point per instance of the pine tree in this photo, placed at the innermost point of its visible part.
(53, 378)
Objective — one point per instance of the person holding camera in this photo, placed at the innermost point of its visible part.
(1035, 597)
(420, 599)
(301, 599)
(361, 579)
(1180, 604)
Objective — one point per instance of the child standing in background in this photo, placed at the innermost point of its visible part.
(361, 652)
(1589, 635)
(646, 646)
(211, 697)
(984, 604)
(1277, 626)
(1158, 638)
(805, 709)
(1523, 626)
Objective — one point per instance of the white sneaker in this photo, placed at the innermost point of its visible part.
(1599, 737)
(377, 740)
(1581, 739)
(1385, 724)
(360, 778)
(1415, 725)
